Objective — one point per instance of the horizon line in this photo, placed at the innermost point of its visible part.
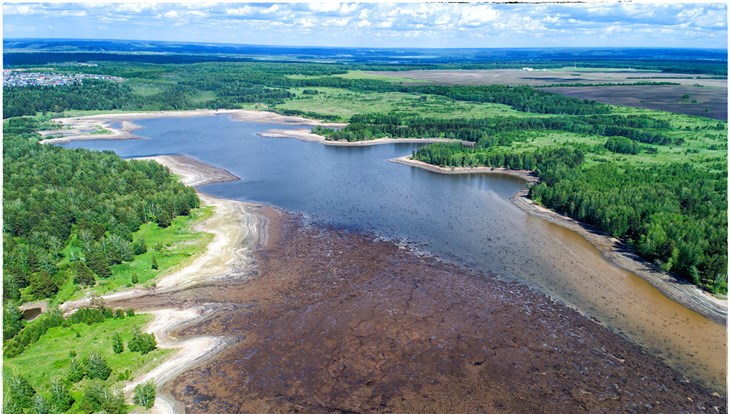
(361, 47)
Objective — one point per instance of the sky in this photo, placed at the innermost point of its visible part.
(412, 24)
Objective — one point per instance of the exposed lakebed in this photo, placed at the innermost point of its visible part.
(466, 219)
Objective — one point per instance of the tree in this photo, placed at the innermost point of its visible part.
(155, 266)
(98, 397)
(117, 344)
(145, 394)
(139, 246)
(76, 371)
(96, 366)
(20, 390)
(98, 263)
(135, 278)
(40, 405)
(142, 342)
(84, 276)
(42, 285)
(12, 320)
(60, 399)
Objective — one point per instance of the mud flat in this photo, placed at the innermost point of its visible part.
(611, 248)
(338, 322)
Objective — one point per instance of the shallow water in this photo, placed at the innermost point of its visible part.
(465, 218)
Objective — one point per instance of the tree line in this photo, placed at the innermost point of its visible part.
(490, 131)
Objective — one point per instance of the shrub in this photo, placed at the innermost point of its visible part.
(145, 394)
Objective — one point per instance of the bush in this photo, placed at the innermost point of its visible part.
(117, 344)
(145, 394)
(142, 342)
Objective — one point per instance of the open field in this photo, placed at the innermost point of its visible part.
(344, 103)
(49, 357)
(708, 92)
(711, 101)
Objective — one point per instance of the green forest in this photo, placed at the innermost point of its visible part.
(69, 215)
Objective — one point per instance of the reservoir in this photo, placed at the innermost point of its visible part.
(467, 219)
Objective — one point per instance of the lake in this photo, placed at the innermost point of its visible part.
(467, 219)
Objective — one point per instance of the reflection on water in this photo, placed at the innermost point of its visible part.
(466, 218)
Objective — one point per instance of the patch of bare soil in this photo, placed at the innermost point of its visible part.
(337, 322)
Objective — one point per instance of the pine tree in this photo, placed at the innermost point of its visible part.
(96, 366)
(117, 344)
(145, 394)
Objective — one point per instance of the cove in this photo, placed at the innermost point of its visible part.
(467, 219)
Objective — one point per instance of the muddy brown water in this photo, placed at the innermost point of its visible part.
(467, 220)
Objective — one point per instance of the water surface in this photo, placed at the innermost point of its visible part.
(464, 218)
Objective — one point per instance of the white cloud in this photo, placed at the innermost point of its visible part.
(364, 23)
(131, 7)
(74, 13)
(20, 9)
(240, 11)
(327, 7)
(478, 15)
(273, 9)
(172, 14)
(307, 22)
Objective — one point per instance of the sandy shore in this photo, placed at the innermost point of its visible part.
(528, 176)
(238, 231)
(83, 127)
(611, 248)
(307, 135)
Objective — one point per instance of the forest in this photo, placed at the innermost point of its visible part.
(70, 214)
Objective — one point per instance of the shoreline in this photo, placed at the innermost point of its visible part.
(306, 135)
(239, 230)
(526, 175)
(77, 128)
(681, 292)
(612, 249)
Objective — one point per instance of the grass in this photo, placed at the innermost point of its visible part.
(178, 245)
(49, 357)
(344, 103)
(173, 247)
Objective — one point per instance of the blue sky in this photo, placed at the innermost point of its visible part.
(419, 24)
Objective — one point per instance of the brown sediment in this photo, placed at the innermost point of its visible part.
(338, 322)
(612, 249)
(619, 254)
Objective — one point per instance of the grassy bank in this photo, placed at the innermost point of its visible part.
(50, 357)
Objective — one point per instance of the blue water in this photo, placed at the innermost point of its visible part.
(461, 218)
